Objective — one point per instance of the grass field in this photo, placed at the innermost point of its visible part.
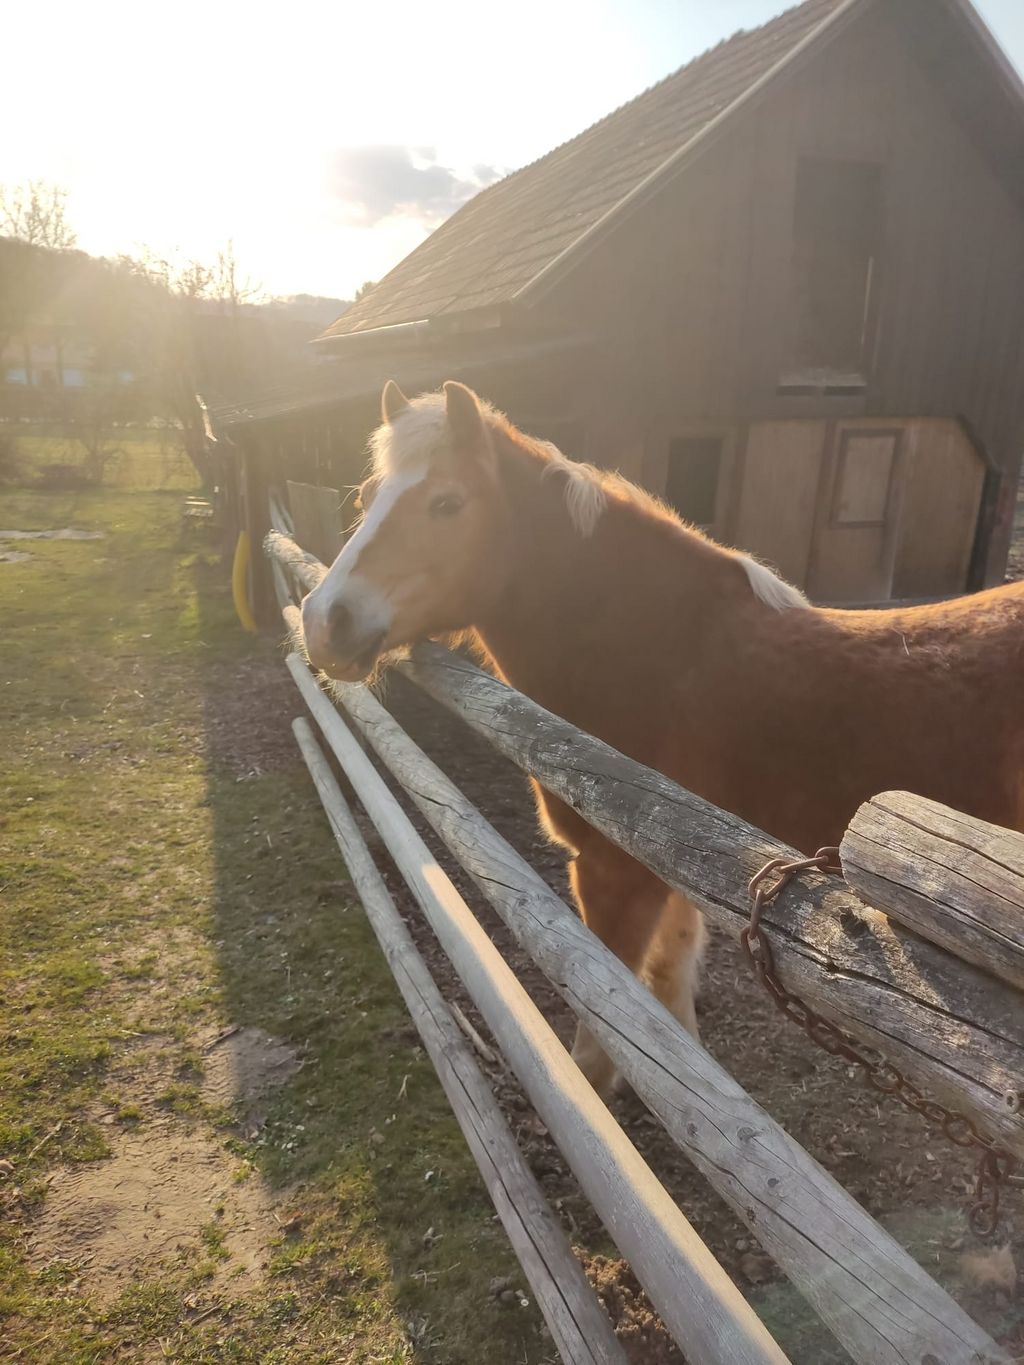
(140, 458)
(166, 875)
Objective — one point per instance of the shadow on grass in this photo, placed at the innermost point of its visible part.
(396, 1226)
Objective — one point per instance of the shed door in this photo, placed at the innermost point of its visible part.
(945, 477)
(858, 514)
(779, 485)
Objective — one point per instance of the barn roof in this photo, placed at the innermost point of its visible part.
(514, 237)
(495, 246)
(356, 377)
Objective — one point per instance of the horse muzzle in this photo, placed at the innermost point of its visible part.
(339, 641)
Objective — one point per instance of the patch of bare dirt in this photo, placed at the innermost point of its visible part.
(637, 1326)
(123, 1219)
(250, 703)
(241, 1068)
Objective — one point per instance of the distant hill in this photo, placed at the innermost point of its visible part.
(309, 308)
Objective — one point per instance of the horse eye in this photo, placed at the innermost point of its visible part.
(445, 505)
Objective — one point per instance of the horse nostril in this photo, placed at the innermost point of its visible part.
(339, 623)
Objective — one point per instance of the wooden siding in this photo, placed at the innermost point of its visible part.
(777, 494)
(694, 296)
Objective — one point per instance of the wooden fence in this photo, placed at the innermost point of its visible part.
(949, 1024)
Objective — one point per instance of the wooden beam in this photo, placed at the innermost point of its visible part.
(946, 1024)
(697, 1301)
(957, 881)
(876, 1299)
(306, 567)
(579, 1326)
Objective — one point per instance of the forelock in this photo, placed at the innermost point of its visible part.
(420, 431)
(415, 435)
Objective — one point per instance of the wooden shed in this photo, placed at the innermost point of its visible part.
(783, 288)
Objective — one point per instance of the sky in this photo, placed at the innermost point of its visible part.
(325, 138)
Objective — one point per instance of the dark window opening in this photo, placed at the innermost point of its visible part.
(836, 237)
(691, 484)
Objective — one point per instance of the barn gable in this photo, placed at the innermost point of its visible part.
(512, 241)
(804, 327)
(488, 253)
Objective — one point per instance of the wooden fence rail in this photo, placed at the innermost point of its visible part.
(948, 1025)
(578, 1324)
(879, 1303)
(957, 881)
(875, 1298)
(697, 1301)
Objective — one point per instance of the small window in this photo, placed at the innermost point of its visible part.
(864, 477)
(691, 484)
(836, 234)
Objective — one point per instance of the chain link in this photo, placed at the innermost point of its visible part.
(995, 1168)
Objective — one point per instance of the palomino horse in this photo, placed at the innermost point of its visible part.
(593, 598)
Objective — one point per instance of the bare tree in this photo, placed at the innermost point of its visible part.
(229, 284)
(187, 280)
(36, 213)
(186, 356)
(33, 224)
(170, 313)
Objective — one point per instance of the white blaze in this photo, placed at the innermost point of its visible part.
(370, 610)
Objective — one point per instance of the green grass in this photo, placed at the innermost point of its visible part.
(141, 458)
(148, 893)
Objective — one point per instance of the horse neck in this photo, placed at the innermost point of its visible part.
(583, 617)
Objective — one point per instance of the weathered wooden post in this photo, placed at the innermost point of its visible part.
(698, 1302)
(955, 880)
(948, 1025)
(579, 1326)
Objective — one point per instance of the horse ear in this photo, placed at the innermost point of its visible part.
(464, 416)
(392, 401)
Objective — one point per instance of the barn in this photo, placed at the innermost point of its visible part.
(783, 289)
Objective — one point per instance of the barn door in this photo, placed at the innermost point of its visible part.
(777, 495)
(944, 478)
(856, 527)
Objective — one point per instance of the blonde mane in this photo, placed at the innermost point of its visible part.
(415, 435)
(407, 444)
(419, 432)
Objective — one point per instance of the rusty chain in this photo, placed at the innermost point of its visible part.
(995, 1168)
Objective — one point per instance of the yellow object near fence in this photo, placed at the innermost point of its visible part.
(239, 575)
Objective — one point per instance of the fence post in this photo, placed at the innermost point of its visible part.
(697, 1301)
(955, 880)
(579, 1326)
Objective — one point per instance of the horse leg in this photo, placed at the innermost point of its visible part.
(622, 902)
(672, 966)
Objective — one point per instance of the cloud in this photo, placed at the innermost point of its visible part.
(379, 182)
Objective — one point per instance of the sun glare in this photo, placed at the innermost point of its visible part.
(180, 127)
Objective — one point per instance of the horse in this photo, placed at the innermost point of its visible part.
(595, 599)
